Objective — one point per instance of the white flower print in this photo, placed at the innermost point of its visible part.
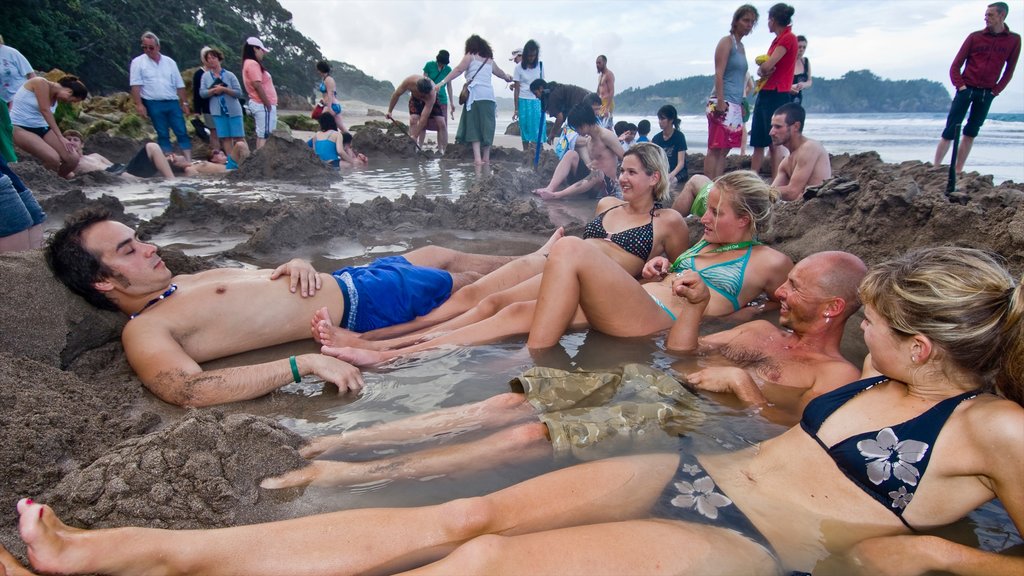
(701, 494)
(892, 457)
(691, 469)
(900, 498)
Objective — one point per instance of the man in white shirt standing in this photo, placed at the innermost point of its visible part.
(159, 94)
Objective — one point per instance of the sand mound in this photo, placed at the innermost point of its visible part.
(54, 422)
(202, 472)
(285, 159)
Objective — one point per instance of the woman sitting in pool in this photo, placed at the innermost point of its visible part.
(581, 285)
(938, 433)
(629, 231)
(327, 143)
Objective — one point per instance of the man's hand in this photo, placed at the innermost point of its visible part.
(718, 378)
(689, 286)
(140, 109)
(657, 267)
(342, 374)
(300, 273)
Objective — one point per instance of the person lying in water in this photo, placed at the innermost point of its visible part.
(629, 231)
(581, 286)
(777, 369)
(938, 431)
(151, 161)
(177, 322)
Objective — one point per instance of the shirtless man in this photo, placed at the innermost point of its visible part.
(423, 106)
(590, 168)
(150, 160)
(780, 369)
(180, 321)
(808, 162)
(606, 90)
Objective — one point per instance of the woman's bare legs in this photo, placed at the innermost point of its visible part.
(48, 149)
(525, 291)
(517, 445)
(500, 272)
(510, 321)
(366, 540)
(578, 275)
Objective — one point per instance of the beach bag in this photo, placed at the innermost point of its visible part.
(202, 132)
(318, 110)
(464, 94)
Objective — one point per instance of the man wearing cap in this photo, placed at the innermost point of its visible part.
(260, 87)
(159, 94)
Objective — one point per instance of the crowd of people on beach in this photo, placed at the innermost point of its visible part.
(939, 393)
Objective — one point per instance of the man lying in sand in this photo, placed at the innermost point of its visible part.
(176, 322)
(591, 168)
(150, 161)
(780, 369)
(807, 165)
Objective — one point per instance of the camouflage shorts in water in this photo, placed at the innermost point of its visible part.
(594, 414)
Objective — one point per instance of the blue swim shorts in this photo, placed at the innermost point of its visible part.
(389, 291)
(19, 210)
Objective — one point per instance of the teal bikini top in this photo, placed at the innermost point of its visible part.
(726, 278)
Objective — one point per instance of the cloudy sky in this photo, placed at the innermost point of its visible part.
(648, 41)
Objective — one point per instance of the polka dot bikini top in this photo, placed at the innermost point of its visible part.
(637, 241)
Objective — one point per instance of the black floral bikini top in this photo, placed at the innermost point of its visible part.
(889, 463)
(637, 241)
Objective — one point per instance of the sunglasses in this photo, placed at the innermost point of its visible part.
(148, 48)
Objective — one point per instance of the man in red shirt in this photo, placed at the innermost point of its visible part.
(987, 53)
(778, 70)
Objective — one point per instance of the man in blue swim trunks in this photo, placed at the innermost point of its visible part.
(177, 322)
(590, 414)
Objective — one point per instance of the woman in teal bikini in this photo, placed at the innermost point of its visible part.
(581, 285)
(848, 491)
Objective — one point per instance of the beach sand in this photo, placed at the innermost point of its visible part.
(80, 431)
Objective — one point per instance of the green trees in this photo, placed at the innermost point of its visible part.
(857, 91)
(96, 40)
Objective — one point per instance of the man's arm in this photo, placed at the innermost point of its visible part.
(394, 99)
(955, 68)
(556, 128)
(140, 109)
(173, 376)
(183, 100)
(794, 177)
(1011, 63)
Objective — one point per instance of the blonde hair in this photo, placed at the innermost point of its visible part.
(654, 160)
(749, 196)
(964, 301)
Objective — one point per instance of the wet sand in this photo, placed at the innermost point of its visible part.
(80, 431)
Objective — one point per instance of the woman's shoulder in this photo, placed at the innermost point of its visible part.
(765, 256)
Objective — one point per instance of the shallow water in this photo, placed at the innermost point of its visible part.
(445, 377)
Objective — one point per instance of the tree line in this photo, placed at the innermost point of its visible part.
(97, 39)
(858, 91)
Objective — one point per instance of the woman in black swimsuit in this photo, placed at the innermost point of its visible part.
(801, 72)
(939, 323)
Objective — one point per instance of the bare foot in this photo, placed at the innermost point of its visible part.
(325, 332)
(319, 473)
(51, 543)
(355, 356)
(9, 566)
(546, 248)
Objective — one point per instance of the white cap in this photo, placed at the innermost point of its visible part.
(254, 41)
(516, 52)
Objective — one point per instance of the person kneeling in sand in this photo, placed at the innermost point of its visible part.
(590, 166)
(807, 165)
(177, 322)
(779, 369)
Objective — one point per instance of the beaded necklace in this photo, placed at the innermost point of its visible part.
(152, 302)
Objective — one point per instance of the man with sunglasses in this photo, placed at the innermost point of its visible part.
(159, 94)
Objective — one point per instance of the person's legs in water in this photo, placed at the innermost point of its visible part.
(387, 540)
(568, 164)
